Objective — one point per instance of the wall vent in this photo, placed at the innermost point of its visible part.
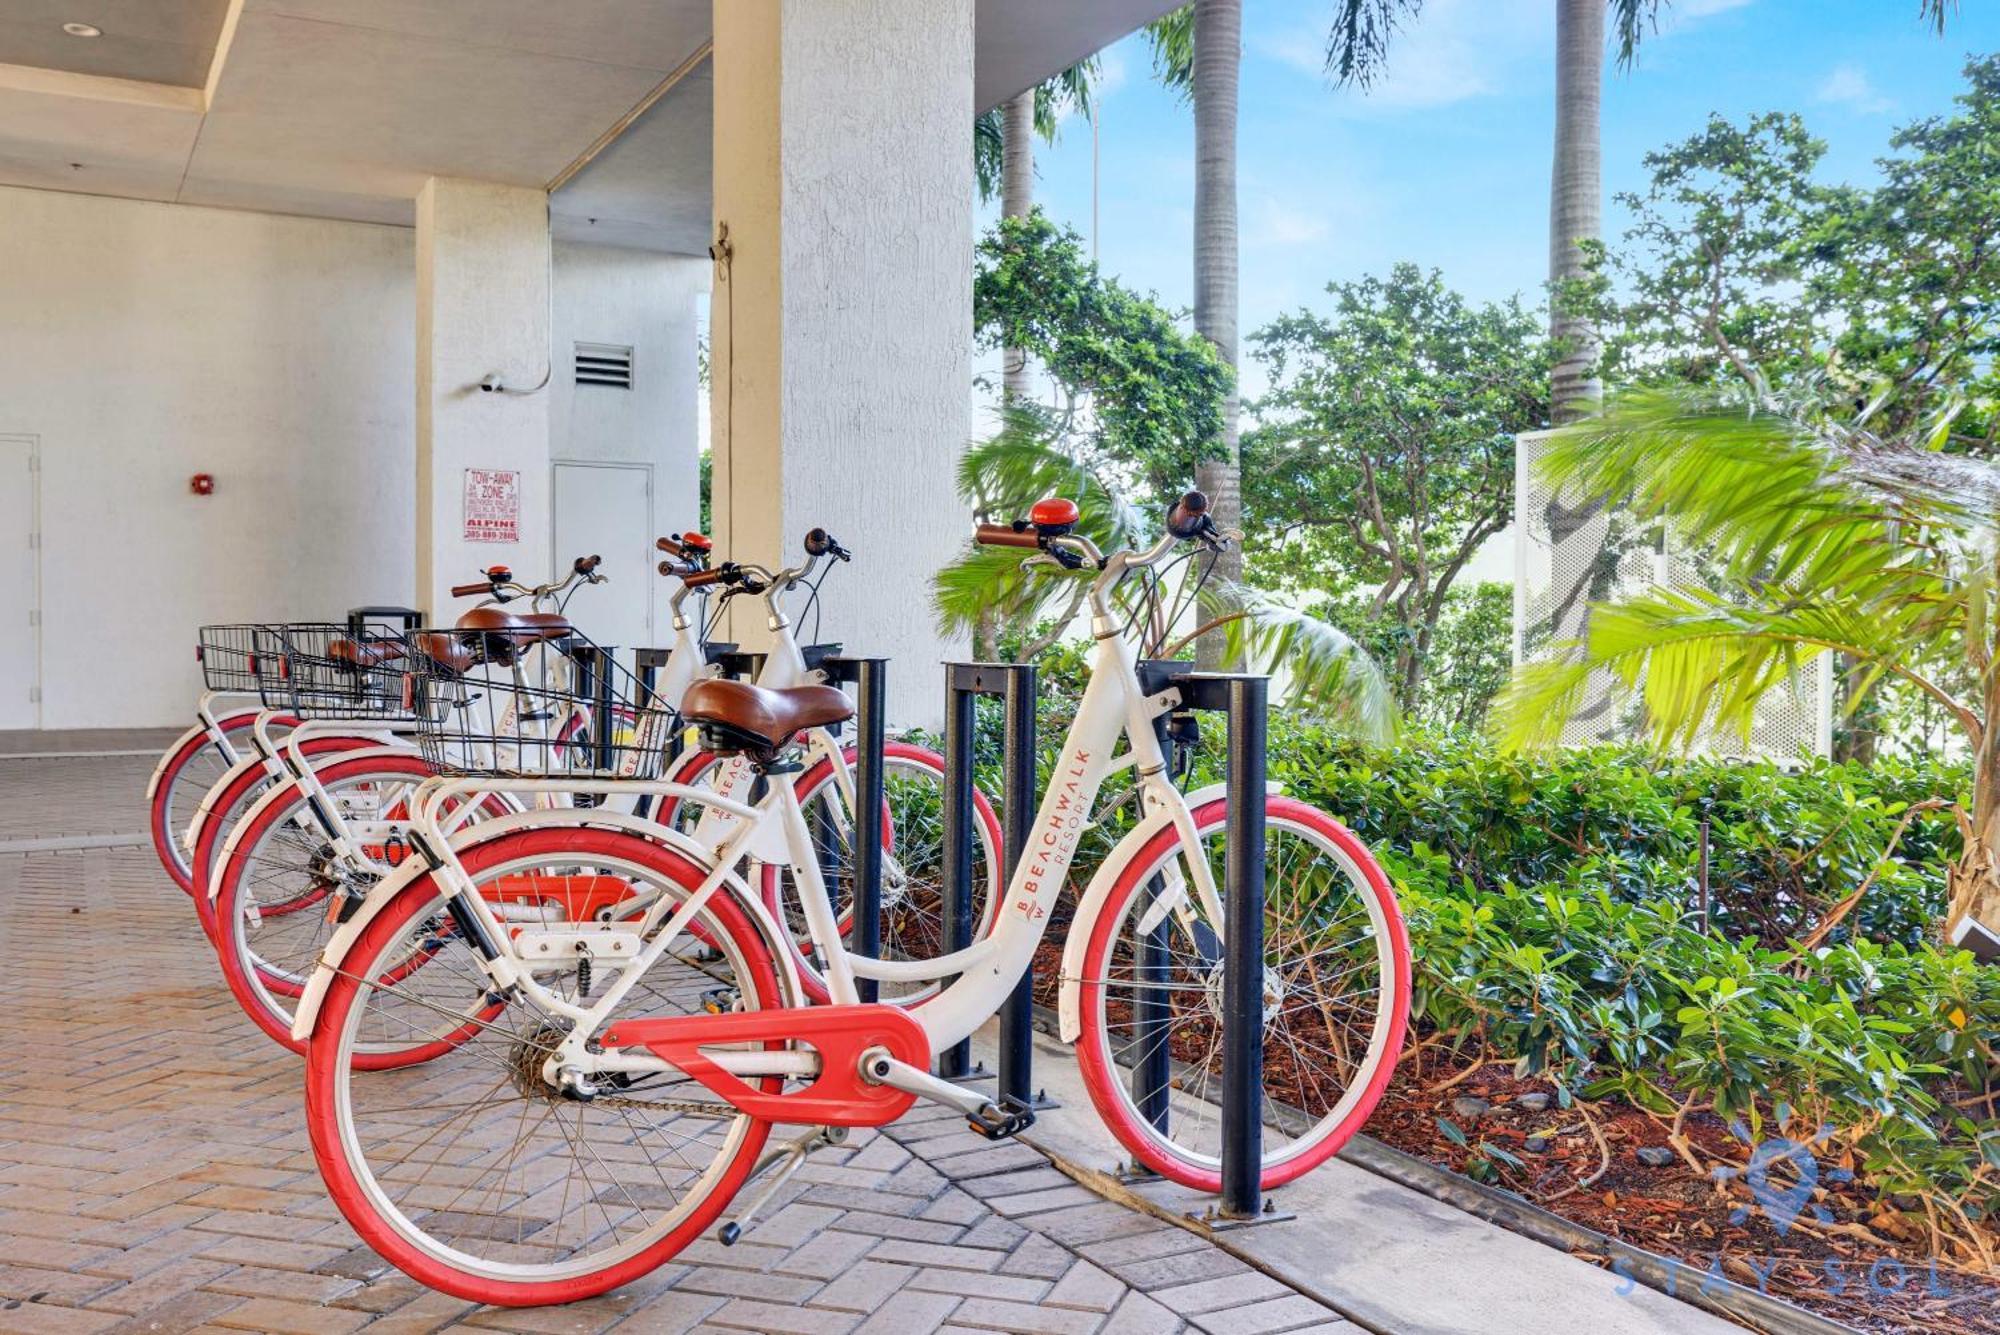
(606, 364)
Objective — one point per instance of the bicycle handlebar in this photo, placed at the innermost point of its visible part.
(469, 590)
(584, 565)
(1006, 535)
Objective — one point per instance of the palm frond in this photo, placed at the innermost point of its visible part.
(1002, 476)
(1322, 671)
(1631, 20)
(989, 152)
(983, 579)
(1357, 44)
(1820, 540)
(1172, 40)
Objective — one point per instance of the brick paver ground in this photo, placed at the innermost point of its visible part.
(155, 1176)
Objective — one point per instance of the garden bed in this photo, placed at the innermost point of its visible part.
(1843, 1256)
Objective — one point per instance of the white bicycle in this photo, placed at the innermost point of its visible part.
(337, 823)
(610, 1087)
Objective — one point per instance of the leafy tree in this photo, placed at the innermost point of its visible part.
(1469, 659)
(1387, 450)
(1911, 268)
(1145, 395)
(1824, 537)
(1741, 268)
(1712, 259)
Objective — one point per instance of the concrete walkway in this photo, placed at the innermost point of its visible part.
(155, 1176)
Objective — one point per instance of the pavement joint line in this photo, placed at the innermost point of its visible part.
(74, 843)
(71, 755)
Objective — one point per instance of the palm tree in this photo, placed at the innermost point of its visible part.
(1017, 196)
(1818, 536)
(1198, 50)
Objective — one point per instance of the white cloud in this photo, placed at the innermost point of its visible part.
(1454, 51)
(1848, 86)
(1273, 223)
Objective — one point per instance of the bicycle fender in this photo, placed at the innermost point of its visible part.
(204, 812)
(249, 818)
(180, 744)
(379, 898)
(1069, 1002)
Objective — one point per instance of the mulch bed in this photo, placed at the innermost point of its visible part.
(1843, 1255)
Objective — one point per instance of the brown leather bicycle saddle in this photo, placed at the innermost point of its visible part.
(522, 627)
(444, 650)
(736, 716)
(364, 653)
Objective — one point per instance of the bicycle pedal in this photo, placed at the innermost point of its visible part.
(996, 1123)
(719, 1000)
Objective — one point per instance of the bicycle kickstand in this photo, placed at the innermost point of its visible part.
(786, 1158)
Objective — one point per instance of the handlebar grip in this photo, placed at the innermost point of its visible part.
(819, 542)
(701, 579)
(1188, 515)
(583, 565)
(469, 590)
(669, 546)
(679, 570)
(1005, 535)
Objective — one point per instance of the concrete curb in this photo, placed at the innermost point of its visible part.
(1725, 1297)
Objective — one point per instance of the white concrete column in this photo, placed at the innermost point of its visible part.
(482, 310)
(841, 320)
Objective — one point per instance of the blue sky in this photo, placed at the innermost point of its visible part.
(1445, 161)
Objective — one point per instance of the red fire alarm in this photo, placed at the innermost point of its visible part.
(202, 484)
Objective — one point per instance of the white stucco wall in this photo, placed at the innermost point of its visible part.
(144, 343)
(843, 170)
(645, 301)
(482, 308)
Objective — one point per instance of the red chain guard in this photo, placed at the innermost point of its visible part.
(837, 1096)
(580, 897)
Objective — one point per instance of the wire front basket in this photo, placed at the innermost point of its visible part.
(230, 656)
(526, 706)
(327, 671)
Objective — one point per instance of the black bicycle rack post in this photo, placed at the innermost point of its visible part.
(1243, 954)
(646, 664)
(869, 677)
(593, 683)
(1243, 700)
(1017, 686)
(360, 618)
(961, 696)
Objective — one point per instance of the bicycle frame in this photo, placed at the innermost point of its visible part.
(1114, 704)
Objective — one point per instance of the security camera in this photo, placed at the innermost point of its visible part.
(491, 383)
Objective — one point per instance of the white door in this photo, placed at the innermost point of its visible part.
(607, 510)
(20, 586)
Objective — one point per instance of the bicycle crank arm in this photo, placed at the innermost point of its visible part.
(981, 1113)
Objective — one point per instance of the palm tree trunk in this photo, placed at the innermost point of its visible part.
(1576, 196)
(1975, 878)
(1017, 196)
(1218, 56)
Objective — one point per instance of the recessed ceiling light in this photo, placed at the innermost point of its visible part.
(83, 30)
